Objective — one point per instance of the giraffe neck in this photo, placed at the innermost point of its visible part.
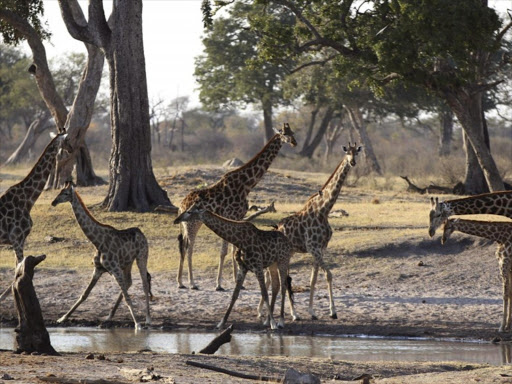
(323, 201)
(496, 231)
(252, 172)
(498, 203)
(232, 231)
(33, 184)
(90, 226)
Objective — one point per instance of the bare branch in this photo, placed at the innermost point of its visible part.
(313, 62)
(78, 29)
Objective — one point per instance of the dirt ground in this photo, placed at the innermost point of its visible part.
(413, 289)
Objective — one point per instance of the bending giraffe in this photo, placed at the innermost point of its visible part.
(227, 198)
(501, 233)
(258, 250)
(115, 252)
(496, 203)
(308, 229)
(17, 202)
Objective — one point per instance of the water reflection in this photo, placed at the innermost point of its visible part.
(267, 344)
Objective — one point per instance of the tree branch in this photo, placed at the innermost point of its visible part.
(311, 63)
(76, 25)
(39, 69)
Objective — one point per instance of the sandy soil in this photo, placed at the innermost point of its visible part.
(414, 288)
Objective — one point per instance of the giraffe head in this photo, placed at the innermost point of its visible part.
(65, 195)
(438, 214)
(286, 135)
(351, 153)
(448, 228)
(194, 213)
(61, 142)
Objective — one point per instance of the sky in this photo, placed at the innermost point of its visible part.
(172, 31)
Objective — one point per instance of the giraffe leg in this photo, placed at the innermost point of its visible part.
(506, 288)
(283, 276)
(222, 257)
(118, 275)
(95, 276)
(128, 282)
(188, 231)
(240, 277)
(312, 283)
(509, 299)
(18, 251)
(270, 278)
(260, 275)
(319, 263)
(142, 265)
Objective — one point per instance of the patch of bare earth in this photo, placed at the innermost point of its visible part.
(412, 288)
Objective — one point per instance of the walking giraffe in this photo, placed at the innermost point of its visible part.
(501, 233)
(115, 252)
(227, 198)
(17, 202)
(308, 229)
(258, 250)
(496, 203)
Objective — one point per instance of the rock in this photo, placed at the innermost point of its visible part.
(6, 376)
(295, 377)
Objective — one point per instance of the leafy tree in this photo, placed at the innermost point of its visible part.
(442, 46)
(132, 183)
(229, 72)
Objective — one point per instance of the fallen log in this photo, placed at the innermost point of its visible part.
(215, 344)
(233, 373)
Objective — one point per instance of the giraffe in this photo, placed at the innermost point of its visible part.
(17, 202)
(257, 250)
(309, 230)
(496, 203)
(501, 233)
(115, 252)
(227, 198)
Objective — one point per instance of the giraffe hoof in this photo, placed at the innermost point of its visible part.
(181, 286)
(334, 316)
(313, 317)
(194, 288)
(219, 289)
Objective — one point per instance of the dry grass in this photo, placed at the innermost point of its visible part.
(397, 217)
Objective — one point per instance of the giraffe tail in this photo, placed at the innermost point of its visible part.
(289, 288)
(181, 245)
(151, 297)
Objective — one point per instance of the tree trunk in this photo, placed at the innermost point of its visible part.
(77, 123)
(445, 138)
(311, 127)
(356, 118)
(324, 124)
(331, 137)
(467, 106)
(267, 120)
(35, 129)
(474, 180)
(31, 333)
(133, 185)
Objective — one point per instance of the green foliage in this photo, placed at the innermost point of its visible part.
(229, 72)
(30, 10)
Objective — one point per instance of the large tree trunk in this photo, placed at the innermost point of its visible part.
(309, 150)
(356, 118)
(446, 134)
(267, 120)
(133, 185)
(35, 129)
(474, 180)
(311, 127)
(467, 106)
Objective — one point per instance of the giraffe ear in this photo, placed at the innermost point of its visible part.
(359, 148)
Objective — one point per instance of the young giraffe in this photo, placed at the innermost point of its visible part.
(500, 232)
(17, 202)
(227, 198)
(258, 250)
(308, 229)
(497, 203)
(115, 252)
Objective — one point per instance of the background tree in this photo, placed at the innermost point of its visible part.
(132, 183)
(442, 46)
(229, 72)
